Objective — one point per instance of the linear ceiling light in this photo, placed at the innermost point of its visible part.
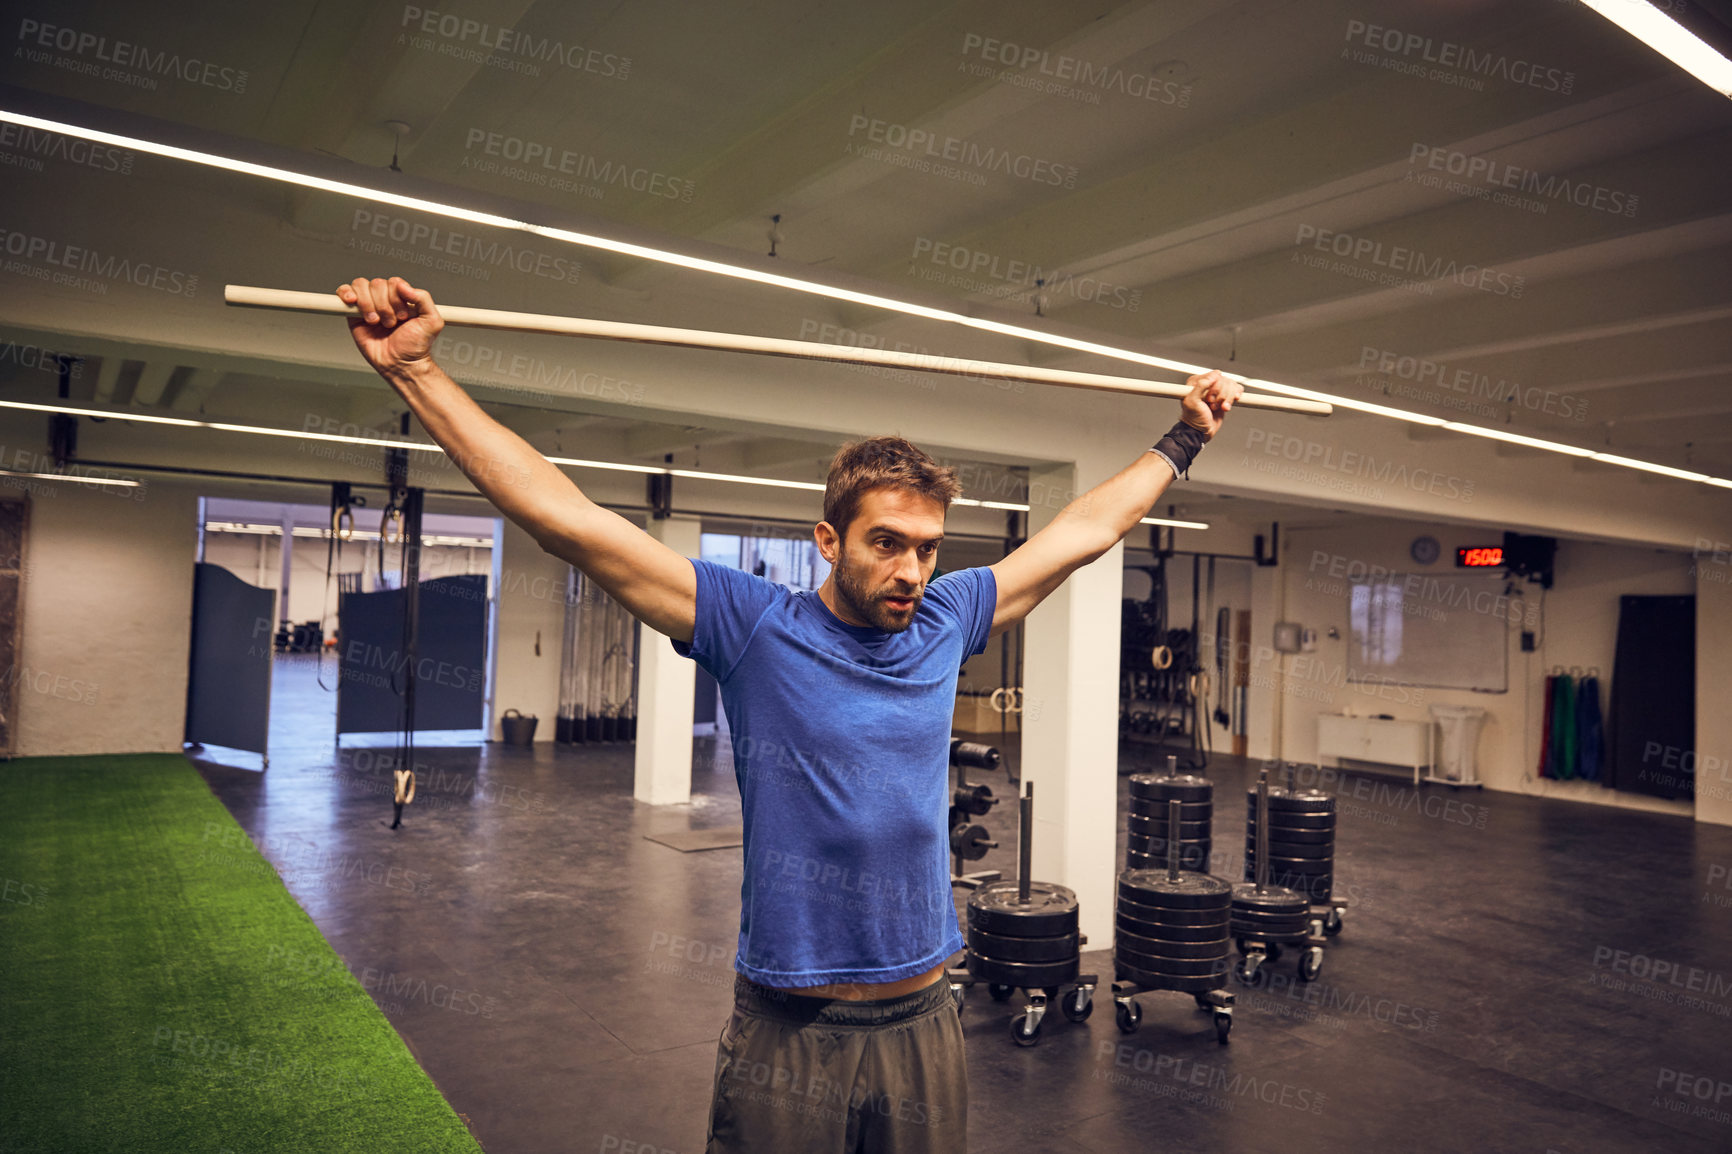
(1670, 39)
(81, 478)
(721, 268)
(262, 430)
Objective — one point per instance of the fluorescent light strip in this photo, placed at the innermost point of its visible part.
(1650, 467)
(80, 478)
(1516, 439)
(188, 423)
(720, 268)
(1670, 39)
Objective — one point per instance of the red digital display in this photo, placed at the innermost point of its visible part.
(1479, 557)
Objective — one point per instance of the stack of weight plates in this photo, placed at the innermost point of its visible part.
(1172, 935)
(1275, 913)
(1025, 947)
(1301, 841)
(1148, 821)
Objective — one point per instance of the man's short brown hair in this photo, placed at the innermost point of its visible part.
(883, 463)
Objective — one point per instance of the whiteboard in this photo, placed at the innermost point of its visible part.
(1446, 631)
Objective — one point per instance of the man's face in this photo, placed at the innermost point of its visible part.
(890, 552)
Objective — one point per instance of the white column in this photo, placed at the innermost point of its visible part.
(286, 556)
(1713, 675)
(665, 684)
(1071, 714)
(529, 613)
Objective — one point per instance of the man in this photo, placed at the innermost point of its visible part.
(843, 1036)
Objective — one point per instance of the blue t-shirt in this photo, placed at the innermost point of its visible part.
(841, 738)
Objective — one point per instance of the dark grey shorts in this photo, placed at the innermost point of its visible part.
(802, 1075)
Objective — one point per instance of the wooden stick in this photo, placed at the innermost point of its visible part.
(247, 296)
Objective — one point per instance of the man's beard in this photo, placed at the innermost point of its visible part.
(868, 605)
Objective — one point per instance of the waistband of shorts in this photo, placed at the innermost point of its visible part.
(804, 1009)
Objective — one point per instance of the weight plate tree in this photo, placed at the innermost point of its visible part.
(1172, 931)
(1024, 935)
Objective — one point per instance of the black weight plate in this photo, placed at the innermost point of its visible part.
(1167, 932)
(1157, 848)
(1190, 892)
(1296, 822)
(1192, 857)
(1142, 842)
(1051, 910)
(1282, 863)
(1187, 836)
(1175, 967)
(1005, 949)
(1217, 947)
(1184, 787)
(1271, 931)
(1023, 975)
(1188, 810)
(1317, 887)
(1157, 827)
(1283, 806)
(1298, 929)
(1158, 915)
(1298, 851)
(1283, 833)
(1247, 899)
(1286, 919)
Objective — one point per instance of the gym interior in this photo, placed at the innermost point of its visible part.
(1418, 696)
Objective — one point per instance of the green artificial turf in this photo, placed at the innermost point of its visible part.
(160, 989)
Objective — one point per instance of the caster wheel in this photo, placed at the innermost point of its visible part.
(1274, 951)
(1249, 972)
(1078, 1005)
(1332, 923)
(1311, 963)
(1223, 1027)
(1024, 1030)
(1129, 1016)
(999, 992)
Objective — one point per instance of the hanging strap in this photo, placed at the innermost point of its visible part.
(404, 772)
(342, 528)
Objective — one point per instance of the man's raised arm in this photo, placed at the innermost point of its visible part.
(1093, 523)
(395, 333)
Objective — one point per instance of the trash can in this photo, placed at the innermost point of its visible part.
(1456, 756)
(516, 728)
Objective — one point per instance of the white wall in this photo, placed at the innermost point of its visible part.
(107, 619)
(1576, 625)
(531, 617)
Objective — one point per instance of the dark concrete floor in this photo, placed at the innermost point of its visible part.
(1523, 975)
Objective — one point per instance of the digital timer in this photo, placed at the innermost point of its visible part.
(1479, 557)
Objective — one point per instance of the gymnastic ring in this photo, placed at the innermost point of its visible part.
(997, 700)
(404, 795)
(1161, 657)
(342, 523)
(1015, 690)
(391, 517)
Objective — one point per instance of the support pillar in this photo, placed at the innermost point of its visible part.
(1713, 752)
(666, 683)
(1070, 712)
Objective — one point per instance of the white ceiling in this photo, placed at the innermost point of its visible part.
(1175, 190)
